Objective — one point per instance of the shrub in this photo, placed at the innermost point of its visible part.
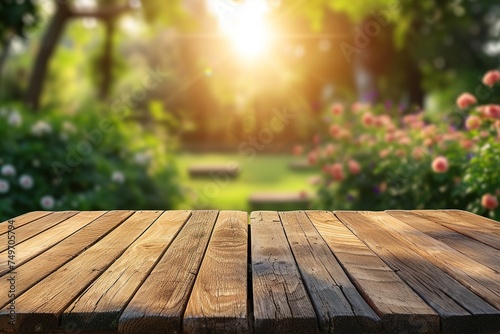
(375, 158)
(92, 160)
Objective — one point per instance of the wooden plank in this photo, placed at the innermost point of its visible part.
(218, 302)
(158, 305)
(41, 305)
(23, 220)
(100, 305)
(474, 220)
(338, 305)
(30, 230)
(478, 278)
(281, 303)
(400, 308)
(459, 308)
(48, 238)
(36, 269)
(476, 250)
(465, 224)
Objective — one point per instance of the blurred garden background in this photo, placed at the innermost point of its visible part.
(249, 104)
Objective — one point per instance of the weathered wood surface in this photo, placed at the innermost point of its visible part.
(102, 302)
(218, 302)
(398, 305)
(460, 309)
(281, 303)
(158, 305)
(338, 304)
(23, 220)
(434, 271)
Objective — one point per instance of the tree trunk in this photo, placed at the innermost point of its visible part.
(107, 61)
(47, 47)
(3, 58)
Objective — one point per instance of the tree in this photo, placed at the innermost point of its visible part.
(64, 12)
(16, 20)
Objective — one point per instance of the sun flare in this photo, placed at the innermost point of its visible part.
(246, 28)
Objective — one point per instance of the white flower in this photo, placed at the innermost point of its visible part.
(4, 186)
(68, 127)
(41, 128)
(142, 158)
(47, 202)
(118, 177)
(8, 170)
(26, 181)
(15, 119)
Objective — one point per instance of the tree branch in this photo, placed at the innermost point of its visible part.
(101, 13)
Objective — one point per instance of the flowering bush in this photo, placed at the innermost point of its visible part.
(373, 158)
(92, 160)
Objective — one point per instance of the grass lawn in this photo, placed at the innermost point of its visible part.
(262, 173)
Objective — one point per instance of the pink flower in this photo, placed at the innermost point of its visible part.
(466, 100)
(297, 150)
(489, 201)
(473, 123)
(467, 144)
(405, 141)
(418, 153)
(335, 130)
(337, 171)
(337, 109)
(389, 137)
(316, 139)
(428, 142)
(440, 165)
(491, 78)
(312, 158)
(484, 134)
(384, 153)
(408, 119)
(354, 167)
(368, 119)
(429, 130)
(492, 111)
(329, 149)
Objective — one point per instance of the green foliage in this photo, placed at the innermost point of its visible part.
(93, 160)
(17, 18)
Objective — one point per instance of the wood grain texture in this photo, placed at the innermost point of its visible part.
(48, 238)
(480, 279)
(397, 304)
(467, 224)
(158, 305)
(281, 303)
(337, 303)
(100, 305)
(41, 305)
(474, 249)
(23, 220)
(30, 230)
(459, 308)
(41, 266)
(218, 302)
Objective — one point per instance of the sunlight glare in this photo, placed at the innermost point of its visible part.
(246, 27)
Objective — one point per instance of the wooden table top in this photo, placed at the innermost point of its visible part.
(279, 272)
